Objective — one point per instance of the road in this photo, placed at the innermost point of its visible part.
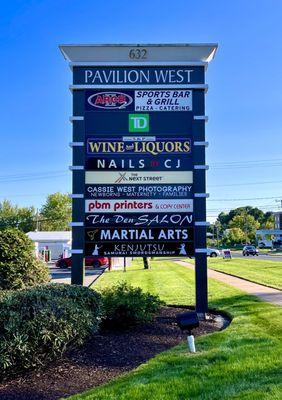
(259, 257)
(59, 275)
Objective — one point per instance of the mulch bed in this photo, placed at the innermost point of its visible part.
(105, 356)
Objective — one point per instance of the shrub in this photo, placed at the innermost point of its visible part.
(125, 305)
(19, 267)
(38, 324)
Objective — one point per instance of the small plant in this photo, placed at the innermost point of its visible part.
(125, 305)
(38, 324)
(19, 267)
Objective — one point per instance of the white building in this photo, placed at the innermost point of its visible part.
(58, 242)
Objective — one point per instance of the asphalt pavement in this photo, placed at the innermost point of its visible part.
(59, 275)
(259, 257)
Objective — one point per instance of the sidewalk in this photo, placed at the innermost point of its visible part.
(265, 293)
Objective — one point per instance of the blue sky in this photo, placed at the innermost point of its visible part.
(243, 102)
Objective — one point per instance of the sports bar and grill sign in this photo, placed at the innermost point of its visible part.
(139, 153)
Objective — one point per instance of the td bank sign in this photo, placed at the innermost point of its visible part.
(139, 123)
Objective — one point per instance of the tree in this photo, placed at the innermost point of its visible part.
(23, 218)
(19, 267)
(225, 218)
(56, 213)
(235, 235)
(267, 221)
(146, 263)
(247, 224)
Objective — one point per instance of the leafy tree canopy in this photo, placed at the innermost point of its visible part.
(265, 220)
(56, 213)
(247, 224)
(23, 218)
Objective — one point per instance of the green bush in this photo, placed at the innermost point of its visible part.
(19, 267)
(125, 305)
(38, 324)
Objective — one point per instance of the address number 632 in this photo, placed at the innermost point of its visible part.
(138, 54)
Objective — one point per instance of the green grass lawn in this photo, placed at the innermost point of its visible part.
(259, 271)
(241, 362)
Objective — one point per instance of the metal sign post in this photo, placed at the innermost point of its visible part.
(138, 145)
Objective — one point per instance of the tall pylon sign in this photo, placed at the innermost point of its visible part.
(139, 170)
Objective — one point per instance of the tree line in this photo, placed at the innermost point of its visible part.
(54, 215)
(240, 225)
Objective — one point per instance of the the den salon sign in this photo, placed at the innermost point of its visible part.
(138, 75)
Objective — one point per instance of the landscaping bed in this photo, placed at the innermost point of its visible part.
(105, 356)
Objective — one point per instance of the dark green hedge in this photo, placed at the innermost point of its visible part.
(19, 267)
(125, 305)
(39, 324)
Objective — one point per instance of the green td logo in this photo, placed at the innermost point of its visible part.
(139, 123)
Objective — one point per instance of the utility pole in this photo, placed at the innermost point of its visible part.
(37, 220)
(245, 226)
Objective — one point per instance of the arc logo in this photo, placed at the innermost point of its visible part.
(139, 123)
(110, 100)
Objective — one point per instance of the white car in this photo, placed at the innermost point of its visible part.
(213, 252)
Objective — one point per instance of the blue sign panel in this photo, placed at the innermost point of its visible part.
(136, 162)
(138, 234)
(116, 123)
(139, 75)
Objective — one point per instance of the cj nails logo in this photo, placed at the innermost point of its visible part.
(139, 123)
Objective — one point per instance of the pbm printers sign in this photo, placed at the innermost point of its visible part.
(163, 100)
(138, 206)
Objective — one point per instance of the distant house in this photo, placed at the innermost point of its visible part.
(58, 242)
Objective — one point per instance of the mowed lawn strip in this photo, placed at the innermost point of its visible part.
(263, 272)
(241, 362)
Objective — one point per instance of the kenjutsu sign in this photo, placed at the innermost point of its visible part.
(138, 151)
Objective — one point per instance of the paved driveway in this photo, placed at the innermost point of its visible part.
(59, 275)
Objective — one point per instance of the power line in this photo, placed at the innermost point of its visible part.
(247, 199)
(244, 184)
(23, 195)
(248, 161)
